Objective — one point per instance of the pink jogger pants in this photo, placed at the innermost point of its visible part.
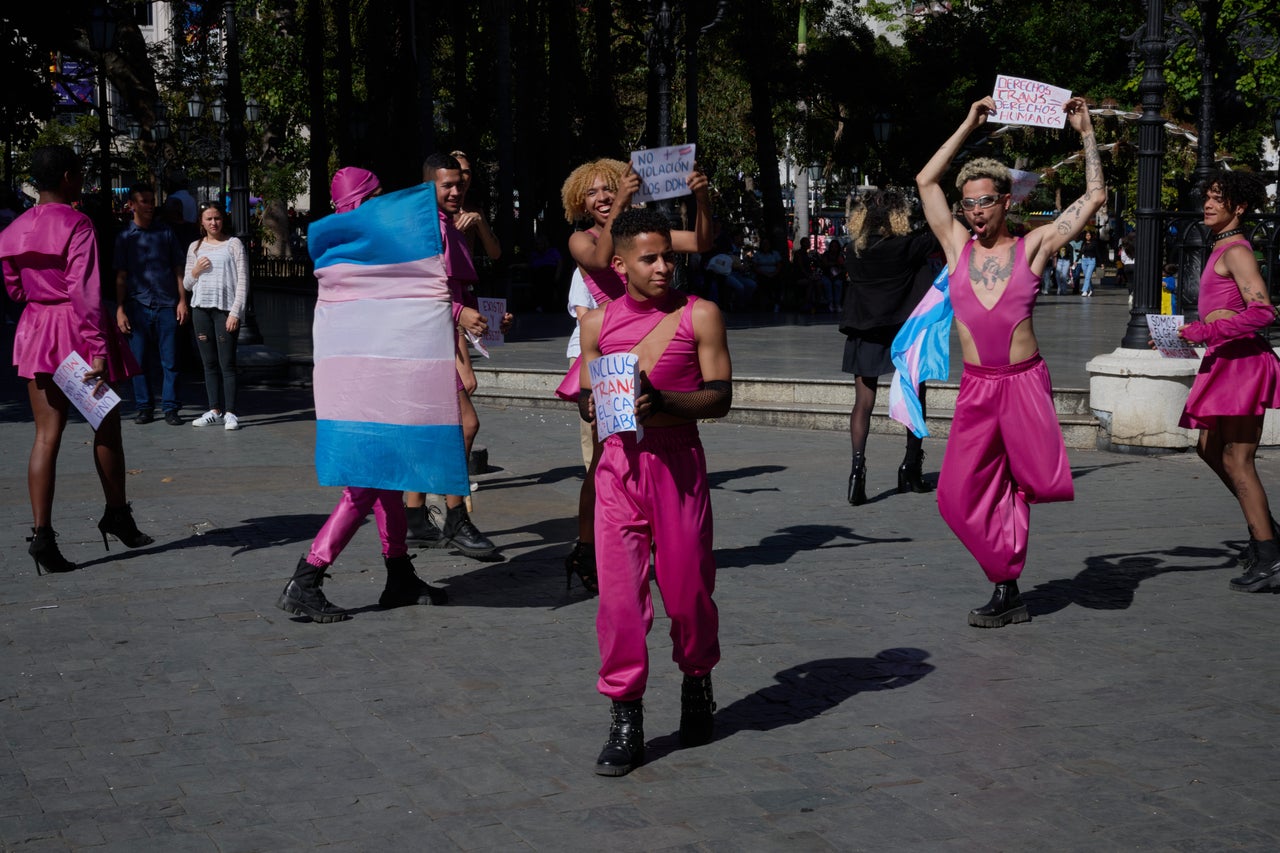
(654, 491)
(352, 509)
(1005, 452)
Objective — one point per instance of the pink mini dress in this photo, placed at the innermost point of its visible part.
(1238, 377)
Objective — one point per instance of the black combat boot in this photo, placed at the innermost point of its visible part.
(1004, 607)
(696, 708)
(460, 533)
(422, 528)
(405, 588)
(1264, 573)
(624, 751)
(302, 596)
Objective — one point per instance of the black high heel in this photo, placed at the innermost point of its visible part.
(582, 562)
(858, 481)
(44, 550)
(911, 476)
(118, 521)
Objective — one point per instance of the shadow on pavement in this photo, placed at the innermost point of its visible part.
(717, 479)
(779, 547)
(1110, 581)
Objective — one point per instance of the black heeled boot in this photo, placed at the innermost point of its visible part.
(1265, 571)
(697, 707)
(405, 588)
(858, 480)
(1004, 607)
(911, 474)
(460, 533)
(624, 751)
(422, 529)
(302, 596)
(44, 550)
(582, 562)
(118, 521)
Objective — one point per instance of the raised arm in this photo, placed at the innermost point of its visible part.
(950, 233)
(1046, 240)
(596, 253)
(702, 236)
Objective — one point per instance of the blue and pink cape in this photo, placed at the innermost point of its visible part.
(921, 351)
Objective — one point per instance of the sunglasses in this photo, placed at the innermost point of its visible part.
(982, 202)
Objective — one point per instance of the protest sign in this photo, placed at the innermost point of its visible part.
(70, 378)
(614, 383)
(664, 172)
(1029, 102)
(493, 311)
(1164, 333)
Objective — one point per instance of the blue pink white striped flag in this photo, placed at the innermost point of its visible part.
(921, 351)
(386, 398)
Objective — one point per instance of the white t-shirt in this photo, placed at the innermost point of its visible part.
(579, 295)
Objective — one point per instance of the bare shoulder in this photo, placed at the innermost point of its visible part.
(706, 312)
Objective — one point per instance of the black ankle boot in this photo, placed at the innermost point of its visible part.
(1004, 607)
(460, 533)
(422, 528)
(697, 706)
(911, 475)
(118, 521)
(1264, 573)
(302, 596)
(624, 751)
(405, 588)
(44, 550)
(858, 480)
(582, 562)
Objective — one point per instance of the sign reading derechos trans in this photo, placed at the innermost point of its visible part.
(1029, 102)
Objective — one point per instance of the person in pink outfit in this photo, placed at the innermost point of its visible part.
(598, 192)
(303, 594)
(49, 258)
(652, 494)
(1239, 377)
(1005, 450)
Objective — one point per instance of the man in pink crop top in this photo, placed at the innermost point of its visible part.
(653, 492)
(1005, 450)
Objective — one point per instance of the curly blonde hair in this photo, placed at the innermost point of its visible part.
(574, 192)
(985, 167)
(885, 212)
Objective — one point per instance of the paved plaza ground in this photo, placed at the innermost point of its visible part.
(157, 700)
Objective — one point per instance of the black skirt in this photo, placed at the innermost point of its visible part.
(867, 351)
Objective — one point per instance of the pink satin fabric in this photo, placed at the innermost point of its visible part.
(350, 186)
(351, 511)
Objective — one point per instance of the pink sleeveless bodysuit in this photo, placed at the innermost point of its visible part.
(992, 330)
(627, 321)
(605, 285)
(1218, 292)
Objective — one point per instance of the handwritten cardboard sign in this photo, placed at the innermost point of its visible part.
(70, 378)
(1164, 332)
(493, 311)
(1029, 102)
(664, 172)
(615, 383)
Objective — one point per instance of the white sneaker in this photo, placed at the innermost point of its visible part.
(231, 421)
(209, 418)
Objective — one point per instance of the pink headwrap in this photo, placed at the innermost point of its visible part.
(352, 185)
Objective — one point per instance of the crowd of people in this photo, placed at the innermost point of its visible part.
(401, 263)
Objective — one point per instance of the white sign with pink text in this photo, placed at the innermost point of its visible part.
(1029, 102)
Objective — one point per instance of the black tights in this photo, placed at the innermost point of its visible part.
(864, 400)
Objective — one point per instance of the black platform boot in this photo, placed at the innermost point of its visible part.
(1004, 607)
(1265, 571)
(582, 562)
(460, 533)
(422, 529)
(405, 588)
(911, 471)
(302, 596)
(118, 521)
(44, 550)
(624, 751)
(858, 480)
(697, 706)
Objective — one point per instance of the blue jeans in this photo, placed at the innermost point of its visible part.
(1087, 266)
(154, 343)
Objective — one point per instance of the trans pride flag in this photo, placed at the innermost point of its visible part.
(386, 399)
(921, 351)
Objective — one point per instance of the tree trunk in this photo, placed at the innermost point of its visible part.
(318, 162)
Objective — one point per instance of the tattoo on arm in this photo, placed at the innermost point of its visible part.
(1092, 165)
(1066, 224)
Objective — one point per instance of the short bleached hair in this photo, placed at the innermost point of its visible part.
(985, 167)
(574, 192)
(885, 212)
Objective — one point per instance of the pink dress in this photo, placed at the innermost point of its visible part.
(1240, 376)
(49, 260)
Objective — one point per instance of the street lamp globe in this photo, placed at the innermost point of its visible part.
(882, 128)
(252, 110)
(102, 29)
(219, 110)
(195, 105)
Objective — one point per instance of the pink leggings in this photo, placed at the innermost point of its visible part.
(1005, 452)
(654, 492)
(352, 509)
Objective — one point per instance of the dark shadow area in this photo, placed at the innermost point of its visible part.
(808, 690)
(1086, 470)
(1110, 581)
(554, 475)
(780, 547)
(717, 479)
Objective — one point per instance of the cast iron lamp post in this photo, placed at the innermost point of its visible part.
(102, 37)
